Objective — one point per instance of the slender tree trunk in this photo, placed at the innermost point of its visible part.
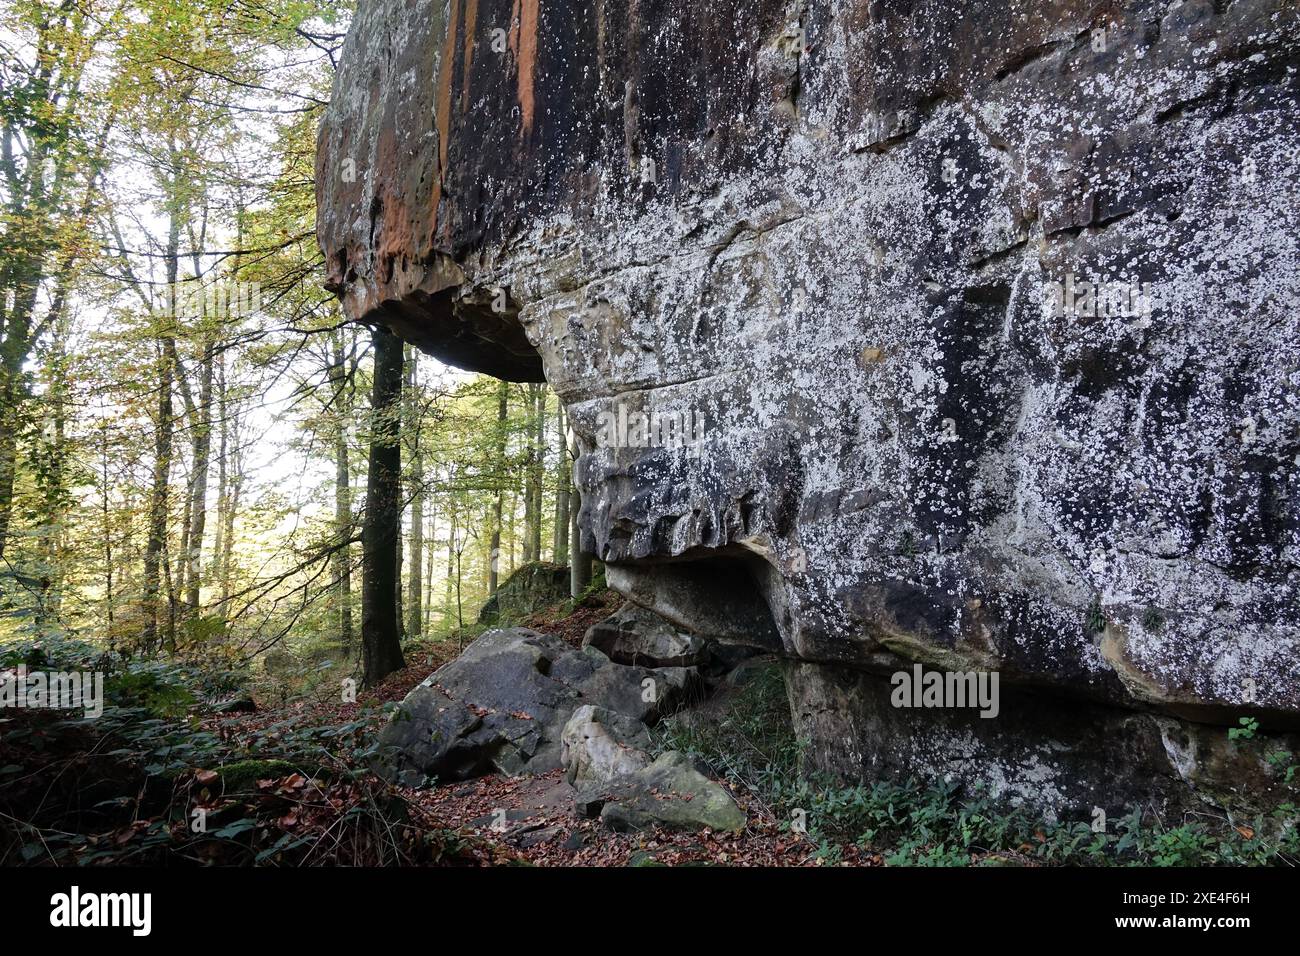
(156, 541)
(8, 461)
(199, 496)
(382, 532)
(236, 480)
(560, 540)
(460, 604)
(580, 566)
(415, 573)
(414, 589)
(24, 277)
(399, 616)
(451, 569)
(51, 447)
(223, 473)
(192, 414)
(107, 531)
(431, 560)
(342, 495)
(513, 512)
(14, 346)
(494, 555)
(539, 468)
(530, 457)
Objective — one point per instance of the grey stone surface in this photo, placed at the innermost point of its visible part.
(670, 792)
(1063, 758)
(828, 237)
(503, 704)
(633, 635)
(598, 745)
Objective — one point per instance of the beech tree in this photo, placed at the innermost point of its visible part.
(181, 477)
(382, 530)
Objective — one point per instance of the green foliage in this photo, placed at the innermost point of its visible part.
(915, 824)
(936, 823)
(1186, 845)
(156, 765)
(1095, 620)
(751, 742)
(1283, 761)
(1247, 726)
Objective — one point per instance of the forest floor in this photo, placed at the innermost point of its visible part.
(169, 774)
(531, 820)
(165, 777)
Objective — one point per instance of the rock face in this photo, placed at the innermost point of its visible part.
(891, 331)
(1063, 757)
(669, 792)
(533, 586)
(502, 705)
(599, 745)
(633, 635)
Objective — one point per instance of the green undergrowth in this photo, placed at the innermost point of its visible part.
(752, 743)
(592, 591)
(157, 778)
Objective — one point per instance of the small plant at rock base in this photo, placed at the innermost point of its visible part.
(1095, 621)
(1246, 730)
(907, 545)
(1152, 620)
(1186, 845)
(1283, 761)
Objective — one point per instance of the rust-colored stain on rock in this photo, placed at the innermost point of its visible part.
(471, 24)
(527, 60)
(443, 108)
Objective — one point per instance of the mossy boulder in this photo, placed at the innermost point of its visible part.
(244, 774)
(531, 588)
(670, 793)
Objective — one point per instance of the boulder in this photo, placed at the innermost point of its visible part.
(1066, 759)
(952, 332)
(531, 588)
(633, 635)
(503, 704)
(599, 744)
(670, 792)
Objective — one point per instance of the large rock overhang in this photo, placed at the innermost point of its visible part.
(827, 231)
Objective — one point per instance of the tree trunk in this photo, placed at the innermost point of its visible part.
(539, 467)
(580, 567)
(529, 500)
(431, 550)
(199, 496)
(156, 540)
(451, 569)
(415, 571)
(14, 346)
(8, 460)
(342, 496)
(494, 556)
(382, 533)
(107, 531)
(223, 471)
(192, 413)
(236, 486)
(560, 540)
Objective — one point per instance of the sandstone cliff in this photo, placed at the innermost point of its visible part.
(985, 313)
